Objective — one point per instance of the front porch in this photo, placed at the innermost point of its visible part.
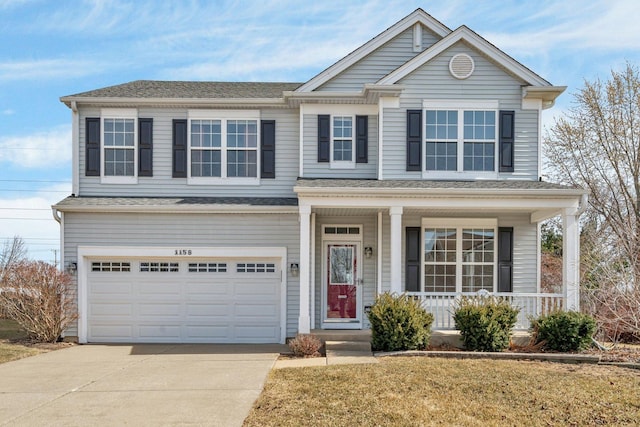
(437, 241)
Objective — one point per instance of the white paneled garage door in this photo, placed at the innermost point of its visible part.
(181, 301)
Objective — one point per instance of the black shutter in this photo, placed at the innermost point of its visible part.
(92, 145)
(324, 138)
(507, 140)
(412, 259)
(362, 139)
(414, 140)
(145, 147)
(268, 149)
(179, 148)
(505, 259)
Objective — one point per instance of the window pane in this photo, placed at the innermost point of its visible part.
(205, 163)
(477, 259)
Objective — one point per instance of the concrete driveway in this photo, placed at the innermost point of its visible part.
(142, 384)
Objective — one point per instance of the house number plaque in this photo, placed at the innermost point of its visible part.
(183, 252)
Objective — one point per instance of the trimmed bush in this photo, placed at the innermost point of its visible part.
(305, 345)
(398, 322)
(564, 330)
(485, 323)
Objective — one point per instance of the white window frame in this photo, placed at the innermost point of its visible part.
(344, 164)
(223, 116)
(119, 113)
(460, 107)
(459, 224)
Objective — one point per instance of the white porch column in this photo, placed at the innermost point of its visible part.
(304, 325)
(571, 259)
(395, 212)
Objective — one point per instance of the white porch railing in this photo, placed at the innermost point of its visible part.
(442, 305)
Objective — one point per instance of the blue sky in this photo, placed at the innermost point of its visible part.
(52, 48)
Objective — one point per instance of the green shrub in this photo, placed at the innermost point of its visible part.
(485, 323)
(564, 330)
(398, 322)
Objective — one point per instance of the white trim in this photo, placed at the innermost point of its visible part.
(417, 37)
(312, 270)
(304, 322)
(379, 250)
(470, 104)
(418, 16)
(126, 114)
(75, 149)
(213, 114)
(477, 42)
(85, 253)
(224, 116)
(459, 222)
(395, 239)
(346, 239)
(301, 138)
(341, 109)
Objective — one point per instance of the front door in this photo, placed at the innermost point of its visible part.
(342, 286)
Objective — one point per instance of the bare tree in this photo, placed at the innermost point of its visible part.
(596, 145)
(13, 251)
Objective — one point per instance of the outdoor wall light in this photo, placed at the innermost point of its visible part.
(72, 267)
(368, 252)
(293, 268)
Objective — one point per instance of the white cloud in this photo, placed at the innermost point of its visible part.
(31, 219)
(8, 112)
(41, 149)
(46, 69)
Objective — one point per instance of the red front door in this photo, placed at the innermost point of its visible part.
(342, 279)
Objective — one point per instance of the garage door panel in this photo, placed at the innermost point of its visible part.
(212, 302)
(209, 310)
(111, 288)
(111, 309)
(165, 332)
(111, 330)
(160, 310)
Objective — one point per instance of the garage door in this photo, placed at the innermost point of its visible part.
(178, 301)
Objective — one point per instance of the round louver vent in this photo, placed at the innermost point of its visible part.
(461, 66)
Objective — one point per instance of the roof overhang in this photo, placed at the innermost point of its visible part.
(182, 102)
(370, 94)
(547, 94)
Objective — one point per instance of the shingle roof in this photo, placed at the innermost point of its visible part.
(177, 202)
(180, 90)
(401, 184)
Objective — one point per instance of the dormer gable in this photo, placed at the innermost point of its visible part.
(416, 27)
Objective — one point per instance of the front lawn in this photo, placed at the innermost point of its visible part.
(12, 342)
(414, 391)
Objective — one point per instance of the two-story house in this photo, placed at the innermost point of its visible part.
(249, 212)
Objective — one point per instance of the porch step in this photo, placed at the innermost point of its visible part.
(350, 346)
(343, 335)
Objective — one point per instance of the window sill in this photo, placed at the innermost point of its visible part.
(222, 181)
(342, 165)
(466, 175)
(127, 180)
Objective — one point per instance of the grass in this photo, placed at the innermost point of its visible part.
(11, 338)
(417, 391)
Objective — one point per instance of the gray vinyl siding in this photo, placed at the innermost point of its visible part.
(433, 81)
(162, 184)
(379, 63)
(189, 230)
(369, 235)
(314, 169)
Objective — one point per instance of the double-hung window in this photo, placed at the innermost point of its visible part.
(223, 145)
(119, 148)
(459, 255)
(342, 146)
(459, 138)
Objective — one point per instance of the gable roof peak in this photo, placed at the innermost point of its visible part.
(417, 16)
